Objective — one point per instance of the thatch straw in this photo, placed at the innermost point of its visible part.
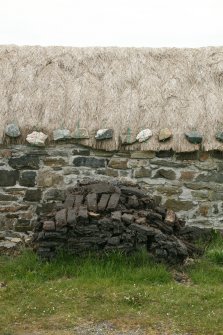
(47, 88)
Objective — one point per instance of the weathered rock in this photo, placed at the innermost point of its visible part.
(61, 134)
(219, 136)
(47, 178)
(165, 134)
(128, 218)
(89, 162)
(167, 174)
(61, 218)
(104, 134)
(194, 137)
(118, 163)
(33, 195)
(144, 135)
(142, 173)
(80, 133)
(36, 138)
(81, 151)
(27, 178)
(8, 177)
(49, 226)
(102, 205)
(12, 130)
(24, 162)
(178, 205)
(92, 202)
(170, 217)
(7, 197)
(54, 194)
(54, 162)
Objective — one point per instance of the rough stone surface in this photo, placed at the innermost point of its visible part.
(144, 135)
(33, 195)
(24, 162)
(8, 178)
(194, 137)
(167, 174)
(219, 136)
(36, 138)
(165, 134)
(104, 134)
(12, 130)
(91, 162)
(118, 163)
(27, 178)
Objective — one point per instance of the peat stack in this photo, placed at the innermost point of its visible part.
(103, 216)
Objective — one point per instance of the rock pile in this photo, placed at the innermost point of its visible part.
(101, 216)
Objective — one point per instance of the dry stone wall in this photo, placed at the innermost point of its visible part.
(33, 180)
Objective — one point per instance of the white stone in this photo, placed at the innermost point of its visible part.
(144, 135)
(103, 134)
(37, 138)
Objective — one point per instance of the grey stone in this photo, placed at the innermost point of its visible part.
(178, 205)
(167, 174)
(8, 178)
(115, 240)
(12, 130)
(104, 134)
(54, 194)
(194, 137)
(142, 173)
(219, 136)
(7, 197)
(61, 134)
(33, 195)
(81, 151)
(27, 178)
(24, 162)
(89, 162)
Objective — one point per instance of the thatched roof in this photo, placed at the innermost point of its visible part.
(47, 88)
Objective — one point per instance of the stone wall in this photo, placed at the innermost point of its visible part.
(33, 180)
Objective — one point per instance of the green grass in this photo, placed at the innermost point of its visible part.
(126, 290)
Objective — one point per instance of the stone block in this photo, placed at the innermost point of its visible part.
(49, 226)
(142, 173)
(27, 178)
(61, 218)
(54, 194)
(54, 162)
(81, 151)
(187, 175)
(7, 197)
(8, 178)
(113, 201)
(92, 202)
(71, 216)
(111, 172)
(164, 154)
(102, 204)
(47, 178)
(91, 162)
(118, 163)
(194, 137)
(82, 215)
(24, 162)
(104, 134)
(61, 134)
(167, 174)
(33, 195)
(178, 205)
